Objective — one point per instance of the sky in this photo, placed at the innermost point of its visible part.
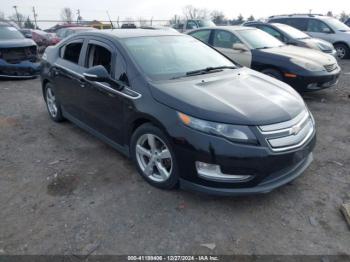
(164, 9)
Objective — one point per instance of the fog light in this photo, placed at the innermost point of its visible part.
(213, 172)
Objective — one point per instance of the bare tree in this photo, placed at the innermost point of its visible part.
(67, 15)
(191, 12)
(218, 17)
(18, 19)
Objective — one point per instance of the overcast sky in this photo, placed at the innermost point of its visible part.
(164, 9)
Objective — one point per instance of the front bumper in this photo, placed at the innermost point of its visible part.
(23, 69)
(280, 178)
(308, 83)
(268, 169)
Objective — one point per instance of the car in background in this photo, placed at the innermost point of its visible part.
(347, 22)
(41, 38)
(186, 115)
(155, 27)
(65, 32)
(128, 26)
(18, 55)
(292, 36)
(57, 27)
(324, 27)
(192, 24)
(304, 69)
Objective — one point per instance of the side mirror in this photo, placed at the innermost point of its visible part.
(240, 47)
(99, 74)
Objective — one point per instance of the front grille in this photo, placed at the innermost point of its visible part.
(329, 51)
(289, 135)
(331, 67)
(18, 54)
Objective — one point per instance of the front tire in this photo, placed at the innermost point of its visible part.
(53, 106)
(154, 157)
(343, 51)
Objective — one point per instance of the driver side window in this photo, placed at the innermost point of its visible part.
(98, 55)
(317, 26)
(224, 39)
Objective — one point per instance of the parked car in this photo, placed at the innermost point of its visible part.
(185, 114)
(187, 25)
(27, 33)
(292, 36)
(42, 39)
(319, 26)
(65, 32)
(57, 27)
(128, 26)
(18, 55)
(303, 69)
(155, 27)
(347, 22)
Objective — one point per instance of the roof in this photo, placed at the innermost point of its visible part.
(297, 15)
(126, 33)
(233, 28)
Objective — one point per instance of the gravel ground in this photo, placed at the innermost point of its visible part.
(62, 191)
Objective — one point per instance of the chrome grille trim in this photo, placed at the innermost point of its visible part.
(290, 134)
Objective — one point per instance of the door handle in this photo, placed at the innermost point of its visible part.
(82, 82)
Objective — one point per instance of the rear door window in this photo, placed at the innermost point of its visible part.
(71, 51)
(299, 23)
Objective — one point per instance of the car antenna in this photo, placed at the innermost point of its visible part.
(110, 19)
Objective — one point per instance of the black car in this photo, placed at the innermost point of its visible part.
(292, 36)
(347, 22)
(183, 112)
(18, 55)
(304, 69)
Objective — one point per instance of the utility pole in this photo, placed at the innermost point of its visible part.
(35, 16)
(78, 16)
(19, 23)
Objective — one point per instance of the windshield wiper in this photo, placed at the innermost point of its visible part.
(208, 70)
(205, 71)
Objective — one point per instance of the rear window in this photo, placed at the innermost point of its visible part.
(71, 52)
(9, 32)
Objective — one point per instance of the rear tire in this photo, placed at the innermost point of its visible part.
(273, 73)
(343, 51)
(154, 157)
(52, 104)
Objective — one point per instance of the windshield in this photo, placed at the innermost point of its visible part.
(258, 39)
(167, 57)
(205, 23)
(9, 32)
(292, 32)
(335, 24)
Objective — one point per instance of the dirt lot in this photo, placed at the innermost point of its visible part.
(62, 191)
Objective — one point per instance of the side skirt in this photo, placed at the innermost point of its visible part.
(122, 149)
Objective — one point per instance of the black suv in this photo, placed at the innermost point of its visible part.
(183, 112)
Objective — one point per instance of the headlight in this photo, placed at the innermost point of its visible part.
(325, 47)
(307, 65)
(235, 133)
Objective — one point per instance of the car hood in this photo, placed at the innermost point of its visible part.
(317, 43)
(242, 96)
(16, 43)
(295, 52)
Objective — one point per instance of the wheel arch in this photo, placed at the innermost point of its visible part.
(342, 43)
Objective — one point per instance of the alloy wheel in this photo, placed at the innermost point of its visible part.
(51, 102)
(154, 157)
(341, 52)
